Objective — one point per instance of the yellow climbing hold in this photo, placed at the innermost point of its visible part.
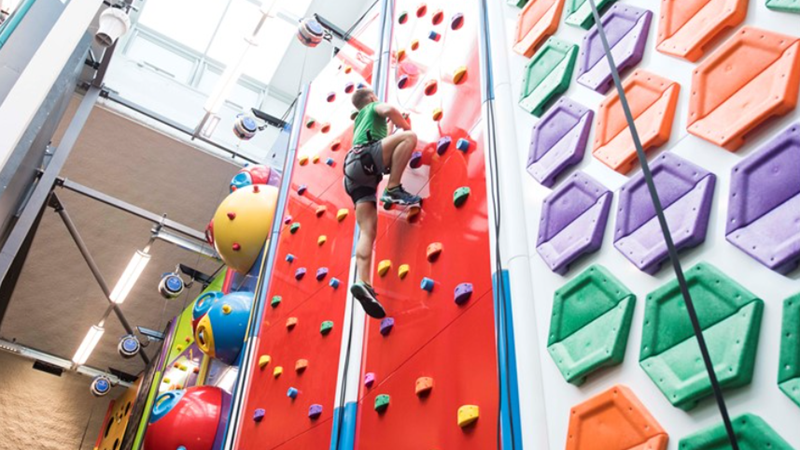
(226, 309)
(322, 239)
(401, 55)
(263, 361)
(402, 271)
(321, 210)
(165, 380)
(384, 267)
(342, 214)
(179, 348)
(437, 114)
(315, 159)
(458, 75)
(467, 415)
(303, 160)
(279, 370)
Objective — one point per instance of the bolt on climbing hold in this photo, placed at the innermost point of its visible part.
(457, 21)
(422, 9)
(289, 257)
(423, 386)
(236, 247)
(326, 327)
(434, 36)
(258, 415)
(431, 86)
(322, 239)
(342, 214)
(403, 270)
(384, 267)
(348, 69)
(291, 322)
(314, 411)
(443, 144)
(329, 162)
(263, 361)
(277, 371)
(402, 18)
(301, 365)
(287, 220)
(226, 309)
(331, 97)
(349, 87)
(402, 81)
(369, 379)
(292, 393)
(300, 273)
(315, 159)
(462, 145)
(337, 144)
(382, 402)
(459, 75)
(433, 251)
(310, 123)
(276, 300)
(462, 293)
(302, 189)
(426, 284)
(322, 272)
(334, 283)
(326, 127)
(231, 215)
(401, 55)
(460, 196)
(303, 160)
(321, 210)
(437, 17)
(295, 226)
(437, 114)
(416, 160)
(387, 323)
(467, 415)
(414, 45)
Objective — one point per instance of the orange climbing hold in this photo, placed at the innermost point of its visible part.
(321, 210)
(753, 76)
(437, 114)
(614, 420)
(315, 159)
(652, 101)
(537, 21)
(303, 160)
(687, 26)
(433, 251)
(423, 386)
(301, 365)
(336, 145)
(291, 322)
(401, 55)
(414, 44)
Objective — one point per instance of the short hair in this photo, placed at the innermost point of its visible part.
(361, 98)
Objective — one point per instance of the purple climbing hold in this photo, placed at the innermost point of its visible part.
(369, 379)
(626, 28)
(300, 273)
(258, 414)
(416, 160)
(443, 144)
(685, 190)
(287, 220)
(402, 82)
(462, 293)
(573, 220)
(349, 87)
(387, 324)
(457, 21)
(314, 411)
(558, 140)
(322, 272)
(764, 203)
(302, 189)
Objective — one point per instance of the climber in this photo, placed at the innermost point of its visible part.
(374, 153)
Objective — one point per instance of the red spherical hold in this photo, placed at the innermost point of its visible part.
(231, 215)
(236, 247)
(190, 419)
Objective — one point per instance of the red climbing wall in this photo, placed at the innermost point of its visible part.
(432, 335)
(310, 301)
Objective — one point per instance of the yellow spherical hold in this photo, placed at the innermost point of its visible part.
(242, 224)
(226, 309)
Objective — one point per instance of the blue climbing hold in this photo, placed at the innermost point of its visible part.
(426, 284)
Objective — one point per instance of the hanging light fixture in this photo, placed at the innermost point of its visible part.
(130, 276)
(88, 345)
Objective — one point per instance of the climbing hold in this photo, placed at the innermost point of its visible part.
(579, 12)
(300, 273)
(423, 386)
(287, 220)
(401, 55)
(402, 271)
(402, 18)
(277, 371)
(291, 322)
(276, 300)
(434, 36)
(463, 145)
(314, 411)
(789, 361)
(348, 69)
(314, 159)
(437, 114)
(382, 402)
(179, 348)
(349, 87)
(433, 251)
(301, 365)
(322, 272)
(387, 323)
(295, 226)
(289, 257)
(330, 162)
(402, 81)
(457, 21)
(321, 210)
(326, 327)
(467, 415)
(431, 87)
(326, 127)
(369, 379)
(416, 160)
(292, 393)
(302, 189)
(231, 215)
(384, 267)
(459, 75)
(342, 214)
(462, 293)
(537, 21)
(558, 140)
(687, 28)
(322, 239)
(331, 97)
(303, 160)
(337, 144)
(437, 17)
(310, 123)
(789, 6)
(547, 75)
(236, 247)
(334, 283)
(426, 284)
(258, 415)
(414, 45)
(361, 86)
(460, 196)
(751, 431)
(263, 361)
(422, 9)
(226, 309)
(443, 144)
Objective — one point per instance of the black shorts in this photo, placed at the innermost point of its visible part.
(363, 171)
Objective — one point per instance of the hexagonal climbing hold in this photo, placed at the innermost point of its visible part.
(789, 365)
(558, 140)
(729, 88)
(685, 191)
(687, 26)
(579, 12)
(387, 323)
(382, 402)
(764, 198)
(326, 327)
(590, 323)
(423, 386)
(433, 251)
(652, 100)
(547, 75)
(573, 221)
(384, 267)
(730, 317)
(460, 196)
(790, 6)
(403, 270)
(537, 21)
(626, 28)
(467, 415)
(751, 431)
(614, 420)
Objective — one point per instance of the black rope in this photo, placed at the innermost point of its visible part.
(662, 221)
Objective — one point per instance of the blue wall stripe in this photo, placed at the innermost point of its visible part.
(507, 363)
(346, 441)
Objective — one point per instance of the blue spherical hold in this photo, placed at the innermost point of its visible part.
(241, 180)
(203, 304)
(220, 333)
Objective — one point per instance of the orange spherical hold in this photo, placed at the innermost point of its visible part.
(239, 242)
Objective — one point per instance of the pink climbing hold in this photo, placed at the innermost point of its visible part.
(369, 379)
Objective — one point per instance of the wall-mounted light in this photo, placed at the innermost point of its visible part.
(88, 345)
(114, 22)
(130, 276)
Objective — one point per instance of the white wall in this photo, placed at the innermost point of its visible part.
(762, 397)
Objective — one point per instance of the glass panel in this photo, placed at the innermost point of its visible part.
(160, 58)
(190, 22)
(264, 58)
(239, 22)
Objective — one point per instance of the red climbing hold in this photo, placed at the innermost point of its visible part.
(231, 215)
(236, 247)
(437, 17)
(431, 87)
(422, 10)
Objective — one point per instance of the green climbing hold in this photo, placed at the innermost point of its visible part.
(295, 226)
(790, 6)
(310, 123)
(789, 369)
(547, 75)
(381, 402)
(326, 327)
(590, 323)
(730, 318)
(403, 18)
(517, 3)
(579, 12)
(276, 300)
(752, 433)
(460, 196)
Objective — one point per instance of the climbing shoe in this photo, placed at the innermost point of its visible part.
(398, 195)
(367, 297)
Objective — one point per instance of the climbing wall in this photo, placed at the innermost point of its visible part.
(713, 87)
(290, 399)
(429, 371)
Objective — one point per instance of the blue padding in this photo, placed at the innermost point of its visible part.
(164, 404)
(345, 438)
(507, 361)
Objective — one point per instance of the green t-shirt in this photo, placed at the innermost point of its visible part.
(369, 124)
